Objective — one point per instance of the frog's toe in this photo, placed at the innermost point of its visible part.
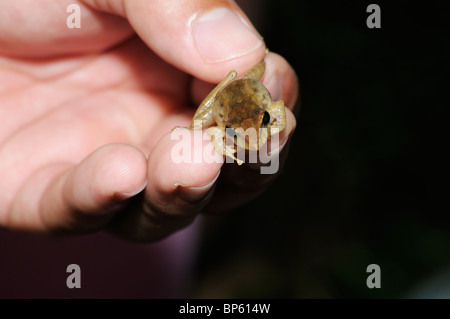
(179, 127)
(217, 138)
(277, 110)
(219, 141)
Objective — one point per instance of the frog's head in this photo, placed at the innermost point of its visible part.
(249, 125)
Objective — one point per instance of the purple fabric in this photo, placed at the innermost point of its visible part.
(32, 266)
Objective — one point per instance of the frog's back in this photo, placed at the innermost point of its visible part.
(240, 100)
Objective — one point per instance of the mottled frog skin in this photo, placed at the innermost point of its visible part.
(242, 108)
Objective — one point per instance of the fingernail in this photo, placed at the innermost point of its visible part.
(135, 192)
(220, 35)
(193, 194)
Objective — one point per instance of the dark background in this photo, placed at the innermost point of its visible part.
(366, 181)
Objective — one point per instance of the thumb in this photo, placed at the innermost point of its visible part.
(204, 38)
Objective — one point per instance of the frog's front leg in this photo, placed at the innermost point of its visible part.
(218, 138)
(278, 112)
(204, 114)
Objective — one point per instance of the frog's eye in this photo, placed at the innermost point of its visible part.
(266, 118)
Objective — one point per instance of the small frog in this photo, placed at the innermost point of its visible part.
(237, 105)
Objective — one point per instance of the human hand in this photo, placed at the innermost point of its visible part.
(87, 114)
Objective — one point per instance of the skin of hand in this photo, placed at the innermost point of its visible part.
(87, 113)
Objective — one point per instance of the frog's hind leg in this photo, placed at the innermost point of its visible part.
(204, 111)
(218, 138)
(256, 72)
(278, 113)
